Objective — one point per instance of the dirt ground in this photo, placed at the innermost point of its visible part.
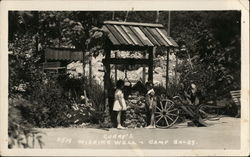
(221, 134)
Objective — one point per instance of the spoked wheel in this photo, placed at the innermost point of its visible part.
(166, 114)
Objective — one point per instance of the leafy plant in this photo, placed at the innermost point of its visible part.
(77, 86)
(21, 133)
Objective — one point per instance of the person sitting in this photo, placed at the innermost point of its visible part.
(190, 104)
(150, 104)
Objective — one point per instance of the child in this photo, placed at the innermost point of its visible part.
(119, 103)
(151, 104)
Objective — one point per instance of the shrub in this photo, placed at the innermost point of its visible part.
(49, 102)
(49, 106)
(172, 90)
(77, 86)
(19, 130)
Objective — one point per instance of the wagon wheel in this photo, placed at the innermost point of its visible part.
(166, 114)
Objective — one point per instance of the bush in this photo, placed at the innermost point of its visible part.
(77, 86)
(172, 90)
(49, 106)
(49, 103)
(20, 132)
(215, 69)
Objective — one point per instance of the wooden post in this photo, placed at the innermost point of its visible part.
(167, 68)
(36, 15)
(126, 16)
(151, 64)
(176, 65)
(115, 68)
(107, 119)
(59, 38)
(45, 58)
(83, 64)
(107, 75)
(86, 98)
(169, 16)
(113, 15)
(157, 16)
(144, 69)
(90, 70)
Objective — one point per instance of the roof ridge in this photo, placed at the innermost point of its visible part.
(63, 48)
(133, 23)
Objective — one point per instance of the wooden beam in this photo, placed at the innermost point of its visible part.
(115, 68)
(129, 48)
(83, 64)
(175, 69)
(107, 113)
(169, 16)
(133, 24)
(90, 70)
(157, 16)
(144, 70)
(151, 64)
(37, 44)
(128, 61)
(107, 76)
(167, 68)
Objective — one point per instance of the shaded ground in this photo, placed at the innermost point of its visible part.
(222, 134)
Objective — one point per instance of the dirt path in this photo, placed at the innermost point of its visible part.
(222, 134)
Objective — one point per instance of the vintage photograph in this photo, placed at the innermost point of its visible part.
(124, 79)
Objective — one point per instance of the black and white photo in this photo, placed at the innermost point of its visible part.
(129, 81)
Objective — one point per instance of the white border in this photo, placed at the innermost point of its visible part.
(137, 5)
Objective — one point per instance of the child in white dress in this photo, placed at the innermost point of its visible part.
(119, 103)
(151, 104)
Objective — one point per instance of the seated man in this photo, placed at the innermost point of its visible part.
(190, 104)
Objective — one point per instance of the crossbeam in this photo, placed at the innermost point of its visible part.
(128, 61)
(134, 24)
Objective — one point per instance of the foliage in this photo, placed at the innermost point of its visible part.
(186, 28)
(20, 132)
(56, 29)
(27, 79)
(50, 105)
(221, 74)
(94, 96)
(81, 113)
(21, 22)
(212, 41)
(212, 51)
(77, 86)
(24, 76)
(23, 65)
(172, 90)
(60, 29)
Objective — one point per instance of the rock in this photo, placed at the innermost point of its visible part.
(158, 70)
(136, 115)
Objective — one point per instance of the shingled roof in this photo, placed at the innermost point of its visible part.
(138, 34)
